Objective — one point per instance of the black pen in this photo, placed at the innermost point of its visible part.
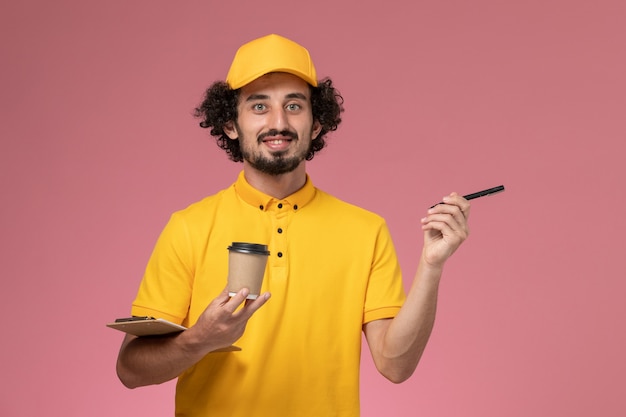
(482, 193)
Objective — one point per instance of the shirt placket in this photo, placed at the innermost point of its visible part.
(281, 214)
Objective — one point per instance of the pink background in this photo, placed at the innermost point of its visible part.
(99, 147)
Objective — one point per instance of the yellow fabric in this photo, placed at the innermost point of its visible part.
(301, 351)
(271, 53)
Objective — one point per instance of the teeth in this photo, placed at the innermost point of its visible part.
(276, 142)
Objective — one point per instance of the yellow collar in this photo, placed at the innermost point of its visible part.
(263, 201)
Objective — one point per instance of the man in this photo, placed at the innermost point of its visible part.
(332, 271)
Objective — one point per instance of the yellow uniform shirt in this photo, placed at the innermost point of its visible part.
(332, 268)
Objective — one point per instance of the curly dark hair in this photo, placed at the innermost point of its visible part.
(220, 107)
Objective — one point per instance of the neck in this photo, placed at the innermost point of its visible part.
(277, 186)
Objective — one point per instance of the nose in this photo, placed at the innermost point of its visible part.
(278, 119)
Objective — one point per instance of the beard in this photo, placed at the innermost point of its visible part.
(277, 163)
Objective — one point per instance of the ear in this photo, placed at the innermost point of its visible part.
(229, 129)
(317, 128)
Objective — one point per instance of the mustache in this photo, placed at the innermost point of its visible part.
(275, 132)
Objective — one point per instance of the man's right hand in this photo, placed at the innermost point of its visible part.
(223, 321)
(154, 360)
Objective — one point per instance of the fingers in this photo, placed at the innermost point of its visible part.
(225, 319)
(252, 305)
(222, 298)
(456, 200)
(445, 228)
(449, 218)
(234, 303)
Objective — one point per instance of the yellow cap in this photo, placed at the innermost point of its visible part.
(271, 53)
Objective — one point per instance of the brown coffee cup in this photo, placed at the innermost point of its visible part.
(246, 267)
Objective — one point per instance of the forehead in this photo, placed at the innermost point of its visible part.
(276, 85)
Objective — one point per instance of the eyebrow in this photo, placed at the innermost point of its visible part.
(254, 97)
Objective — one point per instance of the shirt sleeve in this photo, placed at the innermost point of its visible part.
(385, 291)
(165, 290)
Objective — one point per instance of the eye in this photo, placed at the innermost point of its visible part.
(293, 107)
(258, 107)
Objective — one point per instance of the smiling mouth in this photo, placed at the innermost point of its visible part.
(275, 137)
(276, 141)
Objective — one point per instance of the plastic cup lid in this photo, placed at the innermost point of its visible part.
(253, 248)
